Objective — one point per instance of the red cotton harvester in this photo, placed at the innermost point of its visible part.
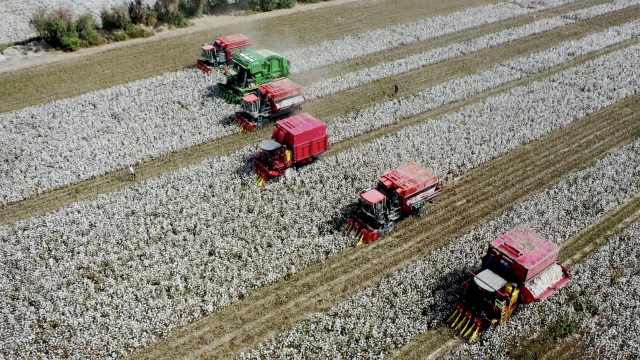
(220, 52)
(399, 193)
(519, 267)
(296, 141)
(271, 101)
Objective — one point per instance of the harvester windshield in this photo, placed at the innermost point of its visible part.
(372, 204)
(251, 104)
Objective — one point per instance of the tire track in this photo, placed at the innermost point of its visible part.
(573, 251)
(430, 75)
(315, 289)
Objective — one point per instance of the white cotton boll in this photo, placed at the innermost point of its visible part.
(420, 296)
(139, 270)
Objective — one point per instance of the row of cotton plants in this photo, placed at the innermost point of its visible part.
(601, 302)
(420, 296)
(66, 141)
(101, 278)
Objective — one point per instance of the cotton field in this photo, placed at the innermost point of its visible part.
(198, 259)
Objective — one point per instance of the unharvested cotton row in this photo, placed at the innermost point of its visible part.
(419, 297)
(67, 141)
(116, 273)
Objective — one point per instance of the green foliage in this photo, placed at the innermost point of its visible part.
(168, 12)
(560, 329)
(268, 5)
(39, 21)
(70, 41)
(137, 31)
(116, 18)
(138, 12)
(286, 4)
(119, 35)
(191, 8)
(87, 30)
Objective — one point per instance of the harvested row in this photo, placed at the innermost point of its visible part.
(113, 181)
(117, 150)
(388, 112)
(129, 123)
(140, 251)
(600, 304)
(350, 80)
(280, 306)
(376, 320)
(550, 341)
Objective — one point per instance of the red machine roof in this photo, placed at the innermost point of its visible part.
(233, 41)
(526, 248)
(408, 179)
(250, 98)
(372, 196)
(299, 129)
(280, 89)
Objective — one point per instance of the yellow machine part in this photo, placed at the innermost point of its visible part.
(464, 325)
(288, 154)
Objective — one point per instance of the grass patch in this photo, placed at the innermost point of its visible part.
(555, 332)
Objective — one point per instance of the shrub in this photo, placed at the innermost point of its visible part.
(191, 8)
(39, 21)
(137, 31)
(168, 12)
(138, 12)
(119, 35)
(286, 4)
(87, 30)
(151, 19)
(268, 5)
(55, 30)
(211, 6)
(70, 41)
(116, 18)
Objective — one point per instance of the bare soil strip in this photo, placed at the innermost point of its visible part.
(484, 192)
(328, 107)
(42, 84)
(573, 251)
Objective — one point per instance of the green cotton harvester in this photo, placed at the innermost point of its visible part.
(250, 69)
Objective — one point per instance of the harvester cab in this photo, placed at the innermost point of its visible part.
(519, 267)
(271, 101)
(220, 52)
(296, 141)
(250, 69)
(399, 193)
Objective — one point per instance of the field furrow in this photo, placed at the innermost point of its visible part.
(341, 127)
(108, 68)
(290, 292)
(140, 250)
(417, 298)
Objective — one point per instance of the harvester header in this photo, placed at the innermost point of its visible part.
(519, 267)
